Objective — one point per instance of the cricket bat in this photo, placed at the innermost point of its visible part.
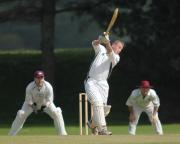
(113, 19)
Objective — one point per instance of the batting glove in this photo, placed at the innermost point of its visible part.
(34, 107)
(42, 109)
(104, 39)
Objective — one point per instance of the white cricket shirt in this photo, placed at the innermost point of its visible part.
(136, 99)
(101, 67)
(40, 96)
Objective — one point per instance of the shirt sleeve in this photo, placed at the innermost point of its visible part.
(28, 97)
(130, 100)
(50, 94)
(155, 98)
(97, 48)
(114, 58)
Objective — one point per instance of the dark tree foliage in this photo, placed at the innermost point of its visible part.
(47, 35)
(21, 10)
(35, 12)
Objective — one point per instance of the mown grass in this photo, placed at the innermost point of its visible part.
(49, 129)
(34, 134)
(74, 139)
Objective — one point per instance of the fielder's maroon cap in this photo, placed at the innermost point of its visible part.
(145, 84)
(38, 74)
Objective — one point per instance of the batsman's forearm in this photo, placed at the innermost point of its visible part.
(108, 47)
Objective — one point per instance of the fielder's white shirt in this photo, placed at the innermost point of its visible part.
(39, 95)
(100, 67)
(136, 99)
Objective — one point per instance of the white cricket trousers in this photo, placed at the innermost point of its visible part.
(54, 112)
(149, 110)
(97, 92)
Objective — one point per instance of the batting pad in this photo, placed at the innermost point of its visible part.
(107, 109)
(56, 115)
(18, 123)
(99, 118)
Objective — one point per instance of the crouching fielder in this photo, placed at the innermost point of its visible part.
(144, 99)
(39, 98)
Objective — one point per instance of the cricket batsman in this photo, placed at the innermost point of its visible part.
(96, 85)
(144, 99)
(39, 98)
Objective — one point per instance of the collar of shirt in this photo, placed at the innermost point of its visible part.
(143, 97)
(39, 88)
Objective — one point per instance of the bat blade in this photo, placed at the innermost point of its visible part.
(113, 19)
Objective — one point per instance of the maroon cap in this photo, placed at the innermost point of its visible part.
(145, 84)
(38, 74)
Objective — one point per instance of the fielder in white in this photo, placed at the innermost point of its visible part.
(39, 98)
(144, 99)
(96, 85)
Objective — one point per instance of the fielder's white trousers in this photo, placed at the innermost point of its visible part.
(148, 110)
(54, 112)
(97, 92)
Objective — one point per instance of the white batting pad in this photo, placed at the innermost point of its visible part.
(56, 115)
(107, 109)
(59, 122)
(20, 119)
(99, 118)
(18, 123)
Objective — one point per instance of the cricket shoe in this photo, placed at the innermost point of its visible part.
(94, 130)
(105, 132)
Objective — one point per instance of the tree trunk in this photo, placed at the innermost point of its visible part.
(47, 43)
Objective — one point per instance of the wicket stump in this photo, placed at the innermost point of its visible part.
(83, 97)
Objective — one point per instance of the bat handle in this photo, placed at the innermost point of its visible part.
(105, 33)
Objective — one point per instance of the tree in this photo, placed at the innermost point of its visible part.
(35, 11)
(42, 12)
(39, 12)
(47, 31)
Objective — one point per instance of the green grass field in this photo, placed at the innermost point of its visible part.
(33, 134)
